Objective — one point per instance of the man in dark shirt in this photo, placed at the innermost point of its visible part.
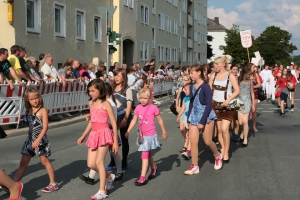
(6, 67)
(24, 68)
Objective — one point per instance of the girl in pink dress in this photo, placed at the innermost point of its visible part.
(145, 113)
(101, 137)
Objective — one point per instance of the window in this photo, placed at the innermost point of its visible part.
(195, 36)
(160, 53)
(184, 55)
(180, 18)
(59, 19)
(144, 51)
(153, 3)
(184, 6)
(199, 17)
(153, 37)
(161, 21)
(168, 24)
(97, 29)
(184, 31)
(144, 14)
(128, 3)
(33, 17)
(80, 24)
(175, 27)
(174, 55)
(195, 57)
(168, 54)
(199, 38)
(175, 3)
(189, 56)
(195, 14)
(179, 43)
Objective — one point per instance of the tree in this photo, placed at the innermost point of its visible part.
(234, 47)
(274, 45)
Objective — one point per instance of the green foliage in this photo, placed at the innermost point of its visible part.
(234, 47)
(274, 46)
(295, 59)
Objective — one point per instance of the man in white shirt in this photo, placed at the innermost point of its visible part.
(48, 71)
(266, 75)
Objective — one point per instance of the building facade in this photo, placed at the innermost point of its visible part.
(172, 31)
(217, 33)
(65, 28)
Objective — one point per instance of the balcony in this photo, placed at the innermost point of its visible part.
(190, 20)
(190, 43)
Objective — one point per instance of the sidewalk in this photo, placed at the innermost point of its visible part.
(12, 132)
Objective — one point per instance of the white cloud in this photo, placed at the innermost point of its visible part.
(246, 6)
(226, 19)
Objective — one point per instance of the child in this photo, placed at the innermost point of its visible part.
(247, 97)
(145, 113)
(201, 116)
(182, 116)
(101, 137)
(152, 94)
(37, 142)
(118, 176)
(15, 188)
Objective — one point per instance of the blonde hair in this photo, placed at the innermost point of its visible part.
(187, 75)
(145, 91)
(91, 65)
(223, 59)
(68, 68)
(95, 61)
(31, 58)
(26, 100)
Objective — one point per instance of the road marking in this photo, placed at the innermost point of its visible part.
(268, 111)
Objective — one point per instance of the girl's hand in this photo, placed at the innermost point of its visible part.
(177, 119)
(225, 103)
(123, 123)
(11, 85)
(253, 108)
(35, 144)
(200, 126)
(88, 117)
(127, 135)
(164, 136)
(115, 147)
(80, 140)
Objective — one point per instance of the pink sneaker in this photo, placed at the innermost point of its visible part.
(218, 162)
(19, 193)
(50, 188)
(192, 170)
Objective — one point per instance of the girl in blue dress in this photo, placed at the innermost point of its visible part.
(201, 116)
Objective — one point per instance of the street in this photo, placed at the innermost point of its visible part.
(266, 169)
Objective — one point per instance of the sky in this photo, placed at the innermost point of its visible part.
(256, 15)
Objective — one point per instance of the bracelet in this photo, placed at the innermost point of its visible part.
(164, 133)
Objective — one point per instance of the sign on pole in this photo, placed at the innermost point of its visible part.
(246, 38)
(257, 54)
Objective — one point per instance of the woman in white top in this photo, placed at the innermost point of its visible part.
(222, 83)
(91, 71)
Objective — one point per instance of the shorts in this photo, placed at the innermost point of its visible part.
(283, 97)
(292, 90)
(229, 115)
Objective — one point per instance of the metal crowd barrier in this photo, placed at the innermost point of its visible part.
(57, 98)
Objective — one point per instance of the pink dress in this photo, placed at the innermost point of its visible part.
(100, 134)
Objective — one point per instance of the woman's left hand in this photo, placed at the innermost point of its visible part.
(123, 123)
(200, 126)
(35, 144)
(164, 136)
(115, 147)
(225, 103)
(253, 108)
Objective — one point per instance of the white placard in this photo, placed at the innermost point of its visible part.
(257, 54)
(246, 38)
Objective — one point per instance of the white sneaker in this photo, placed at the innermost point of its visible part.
(292, 110)
(192, 170)
(109, 182)
(99, 195)
(218, 162)
(68, 115)
(186, 156)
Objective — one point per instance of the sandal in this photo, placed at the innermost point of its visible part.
(183, 150)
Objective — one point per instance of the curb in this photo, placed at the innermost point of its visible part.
(66, 122)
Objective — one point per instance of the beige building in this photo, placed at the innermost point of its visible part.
(66, 28)
(172, 31)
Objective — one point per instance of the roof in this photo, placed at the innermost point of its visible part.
(213, 25)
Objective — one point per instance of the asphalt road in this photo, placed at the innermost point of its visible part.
(266, 169)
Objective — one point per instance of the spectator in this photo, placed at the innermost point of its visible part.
(31, 65)
(68, 62)
(42, 59)
(66, 74)
(159, 73)
(83, 73)
(75, 66)
(116, 65)
(111, 74)
(91, 70)
(6, 67)
(49, 72)
(124, 66)
(130, 77)
(24, 67)
(101, 73)
(15, 63)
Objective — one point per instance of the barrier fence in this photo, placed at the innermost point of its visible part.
(57, 98)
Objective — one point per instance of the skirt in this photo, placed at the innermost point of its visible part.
(43, 149)
(100, 138)
(150, 142)
(224, 114)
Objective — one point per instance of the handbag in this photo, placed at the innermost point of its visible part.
(261, 94)
(173, 108)
(140, 138)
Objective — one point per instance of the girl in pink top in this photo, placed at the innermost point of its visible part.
(145, 114)
(101, 137)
